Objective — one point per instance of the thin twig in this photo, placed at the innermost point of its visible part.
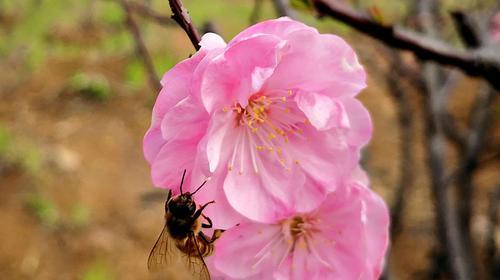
(452, 132)
(467, 29)
(492, 256)
(483, 64)
(140, 47)
(257, 9)
(283, 8)
(475, 142)
(446, 218)
(181, 16)
(405, 120)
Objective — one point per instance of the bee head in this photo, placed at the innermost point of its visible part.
(182, 205)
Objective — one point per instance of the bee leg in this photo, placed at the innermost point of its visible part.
(209, 225)
(197, 214)
(216, 235)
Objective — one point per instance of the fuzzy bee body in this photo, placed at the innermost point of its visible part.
(182, 239)
(179, 230)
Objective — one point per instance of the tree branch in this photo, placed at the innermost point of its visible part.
(283, 9)
(181, 16)
(140, 47)
(478, 63)
(492, 255)
(437, 96)
(257, 8)
(405, 119)
(467, 29)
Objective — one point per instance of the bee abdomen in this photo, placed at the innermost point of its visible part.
(206, 249)
(189, 247)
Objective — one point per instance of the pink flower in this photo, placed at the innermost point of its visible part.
(494, 28)
(270, 117)
(345, 238)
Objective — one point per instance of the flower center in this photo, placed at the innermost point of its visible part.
(297, 227)
(265, 124)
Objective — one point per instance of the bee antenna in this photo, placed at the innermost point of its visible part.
(182, 181)
(199, 187)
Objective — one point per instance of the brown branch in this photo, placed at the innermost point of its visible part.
(257, 9)
(140, 47)
(447, 221)
(469, 162)
(405, 120)
(148, 13)
(283, 9)
(467, 29)
(181, 16)
(492, 258)
(483, 64)
(452, 132)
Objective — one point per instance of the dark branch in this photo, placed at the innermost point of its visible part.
(140, 47)
(467, 30)
(405, 120)
(481, 117)
(283, 9)
(181, 16)
(447, 220)
(483, 64)
(257, 9)
(492, 254)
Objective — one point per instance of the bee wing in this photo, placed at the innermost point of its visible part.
(164, 252)
(194, 261)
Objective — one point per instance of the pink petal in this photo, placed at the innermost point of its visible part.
(322, 111)
(221, 213)
(356, 220)
(221, 129)
(173, 156)
(186, 120)
(361, 129)
(324, 156)
(326, 64)
(281, 27)
(210, 41)
(239, 251)
(376, 232)
(175, 88)
(239, 72)
(250, 195)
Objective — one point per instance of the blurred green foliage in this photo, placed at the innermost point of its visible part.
(79, 216)
(20, 153)
(93, 86)
(4, 142)
(44, 209)
(98, 271)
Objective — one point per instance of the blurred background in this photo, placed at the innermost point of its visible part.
(76, 92)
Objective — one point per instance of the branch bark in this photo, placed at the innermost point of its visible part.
(283, 9)
(492, 254)
(479, 63)
(181, 16)
(257, 8)
(140, 47)
(447, 221)
(405, 120)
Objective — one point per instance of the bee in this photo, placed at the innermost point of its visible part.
(181, 240)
